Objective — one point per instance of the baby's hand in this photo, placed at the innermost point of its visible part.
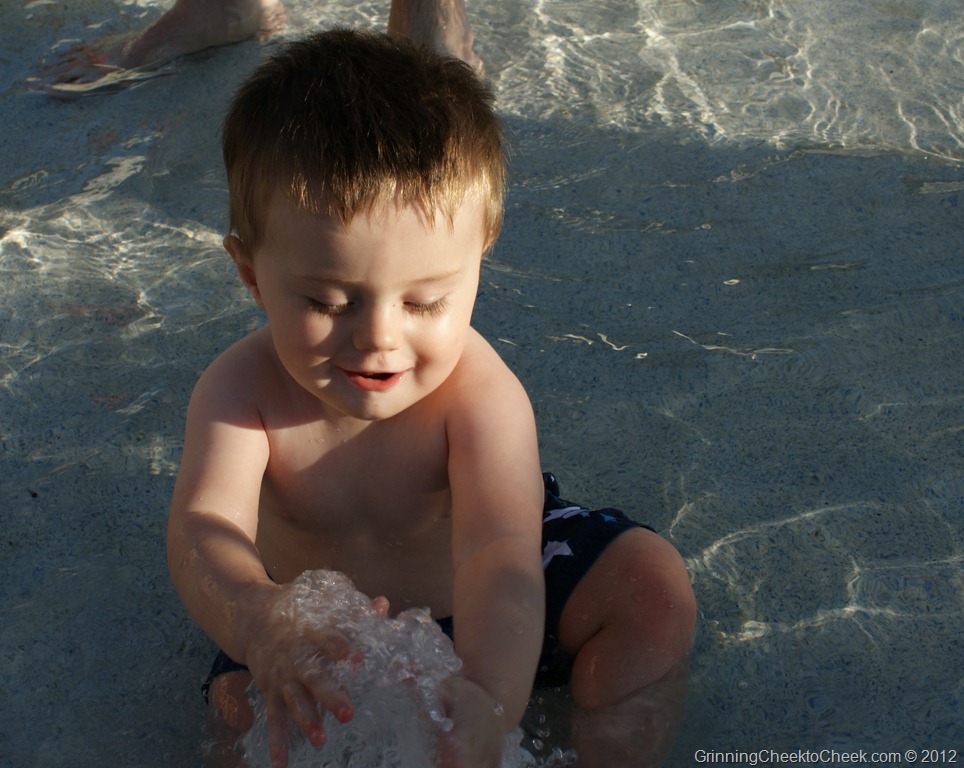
(477, 737)
(290, 664)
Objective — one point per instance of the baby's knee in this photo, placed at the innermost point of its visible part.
(653, 610)
(661, 608)
(631, 621)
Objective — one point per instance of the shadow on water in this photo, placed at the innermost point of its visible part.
(757, 351)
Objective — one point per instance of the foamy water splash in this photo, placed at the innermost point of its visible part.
(394, 689)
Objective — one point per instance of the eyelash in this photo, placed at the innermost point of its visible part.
(433, 309)
(329, 310)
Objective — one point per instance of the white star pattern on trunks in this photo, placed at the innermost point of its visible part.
(554, 549)
(557, 514)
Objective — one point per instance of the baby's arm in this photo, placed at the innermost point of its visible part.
(217, 569)
(497, 497)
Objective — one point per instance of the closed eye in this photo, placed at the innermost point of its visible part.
(330, 310)
(422, 309)
(431, 309)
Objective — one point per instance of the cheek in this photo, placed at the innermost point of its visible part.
(305, 334)
(443, 340)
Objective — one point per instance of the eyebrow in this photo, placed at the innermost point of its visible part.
(323, 280)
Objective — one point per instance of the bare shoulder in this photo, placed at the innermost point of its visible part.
(239, 377)
(225, 449)
(247, 356)
(490, 418)
(485, 385)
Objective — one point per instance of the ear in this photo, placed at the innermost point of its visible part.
(245, 266)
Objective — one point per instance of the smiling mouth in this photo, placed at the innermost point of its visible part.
(374, 380)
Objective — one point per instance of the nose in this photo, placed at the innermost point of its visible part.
(377, 329)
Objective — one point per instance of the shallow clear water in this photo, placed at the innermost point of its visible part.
(731, 278)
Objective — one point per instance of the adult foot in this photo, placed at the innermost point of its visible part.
(440, 24)
(191, 25)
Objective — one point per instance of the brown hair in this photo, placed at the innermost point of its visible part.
(344, 120)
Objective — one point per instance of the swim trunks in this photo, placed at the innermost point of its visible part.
(573, 537)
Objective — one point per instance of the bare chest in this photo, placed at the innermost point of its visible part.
(372, 504)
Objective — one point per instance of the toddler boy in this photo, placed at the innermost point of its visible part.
(369, 429)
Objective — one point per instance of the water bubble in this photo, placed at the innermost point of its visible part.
(393, 687)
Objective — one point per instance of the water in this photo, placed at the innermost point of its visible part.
(730, 278)
(880, 75)
(394, 688)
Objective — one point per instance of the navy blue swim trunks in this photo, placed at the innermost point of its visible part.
(573, 537)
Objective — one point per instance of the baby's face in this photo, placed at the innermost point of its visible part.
(372, 318)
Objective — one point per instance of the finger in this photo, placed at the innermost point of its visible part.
(381, 606)
(304, 711)
(331, 698)
(277, 732)
(449, 752)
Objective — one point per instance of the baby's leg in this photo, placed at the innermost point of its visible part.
(630, 622)
(440, 24)
(637, 732)
(189, 26)
(230, 716)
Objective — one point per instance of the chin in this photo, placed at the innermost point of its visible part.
(371, 411)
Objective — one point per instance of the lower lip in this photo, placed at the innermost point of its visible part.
(373, 384)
